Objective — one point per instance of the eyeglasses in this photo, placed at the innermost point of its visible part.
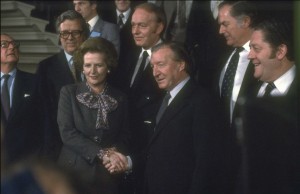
(66, 34)
(5, 44)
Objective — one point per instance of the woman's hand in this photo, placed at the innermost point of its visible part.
(115, 162)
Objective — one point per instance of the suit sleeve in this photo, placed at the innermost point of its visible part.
(72, 137)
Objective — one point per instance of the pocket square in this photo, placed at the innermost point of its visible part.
(26, 95)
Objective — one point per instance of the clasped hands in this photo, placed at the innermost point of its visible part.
(115, 162)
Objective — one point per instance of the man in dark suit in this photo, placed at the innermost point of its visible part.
(148, 22)
(20, 113)
(121, 14)
(272, 116)
(181, 156)
(98, 27)
(236, 20)
(57, 71)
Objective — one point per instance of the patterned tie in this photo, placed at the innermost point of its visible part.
(163, 107)
(141, 68)
(227, 84)
(121, 23)
(271, 86)
(5, 99)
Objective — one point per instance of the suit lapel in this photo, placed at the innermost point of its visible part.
(180, 100)
(22, 90)
(98, 26)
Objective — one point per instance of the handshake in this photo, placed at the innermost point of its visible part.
(114, 161)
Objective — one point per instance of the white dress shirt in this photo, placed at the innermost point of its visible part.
(126, 15)
(282, 84)
(239, 76)
(93, 22)
(140, 61)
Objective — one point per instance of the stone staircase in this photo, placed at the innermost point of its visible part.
(36, 44)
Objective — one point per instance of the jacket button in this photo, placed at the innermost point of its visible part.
(97, 139)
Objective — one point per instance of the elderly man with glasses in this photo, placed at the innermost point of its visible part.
(57, 71)
(20, 122)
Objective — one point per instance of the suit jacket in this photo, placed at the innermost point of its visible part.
(181, 156)
(202, 39)
(108, 31)
(273, 142)
(23, 134)
(53, 73)
(82, 141)
(144, 99)
(127, 46)
(233, 146)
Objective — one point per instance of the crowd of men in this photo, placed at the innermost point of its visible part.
(212, 94)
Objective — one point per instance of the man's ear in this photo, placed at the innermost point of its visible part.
(159, 29)
(246, 22)
(182, 65)
(281, 51)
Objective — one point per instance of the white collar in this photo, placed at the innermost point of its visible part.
(92, 22)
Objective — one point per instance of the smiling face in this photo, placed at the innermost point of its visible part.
(95, 70)
(145, 29)
(166, 71)
(9, 56)
(266, 64)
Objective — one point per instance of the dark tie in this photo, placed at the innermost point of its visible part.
(5, 100)
(141, 68)
(121, 23)
(271, 86)
(163, 107)
(89, 26)
(227, 84)
(72, 68)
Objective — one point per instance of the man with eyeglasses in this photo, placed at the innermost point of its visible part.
(20, 113)
(57, 71)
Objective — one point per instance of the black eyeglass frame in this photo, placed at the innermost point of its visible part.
(66, 34)
(5, 44)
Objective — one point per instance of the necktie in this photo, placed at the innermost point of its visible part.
(227, 84)
(89, 26)
(72, 68)
(120, 22)
(271, 86)
(181, 9)
(163, 107)
(141, 68)
(5, 100)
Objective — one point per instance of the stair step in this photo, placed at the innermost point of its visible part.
(33, 37)
(23, 22)
(15, 9)
(39, 49)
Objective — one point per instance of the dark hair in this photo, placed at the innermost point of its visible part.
(276, 32)
(243, 8)
(180, 52)
(96, 45)
(153, 8)
(73, 15)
